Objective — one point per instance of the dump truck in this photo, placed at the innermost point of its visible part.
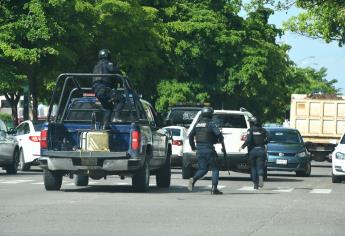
(320, 118)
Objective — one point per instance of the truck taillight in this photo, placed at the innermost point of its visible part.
(44, 141)
(35, 138)
(135, 140)
(177, 142)
(243, 136)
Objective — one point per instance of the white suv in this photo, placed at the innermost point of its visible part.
(338, 161)
(234, 125)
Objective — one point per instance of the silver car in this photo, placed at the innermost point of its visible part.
(9, 151)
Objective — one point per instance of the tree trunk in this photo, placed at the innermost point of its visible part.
(13, 99)
(33, 92)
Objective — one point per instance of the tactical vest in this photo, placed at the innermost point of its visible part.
(259, 137)
(104, 67)
(203, 134)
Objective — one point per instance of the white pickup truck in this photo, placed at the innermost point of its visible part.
(233, 125)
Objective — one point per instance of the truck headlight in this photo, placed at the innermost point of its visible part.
(340, 156)
(301, 154)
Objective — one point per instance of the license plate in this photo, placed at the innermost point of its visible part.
(89, 161)
(281, 161)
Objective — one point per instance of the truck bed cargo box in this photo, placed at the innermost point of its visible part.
(94, 141)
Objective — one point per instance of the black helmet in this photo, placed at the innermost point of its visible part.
(104, 54)
(255, 121)
(207, 112)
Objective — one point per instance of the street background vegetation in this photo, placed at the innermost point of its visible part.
(182, 51)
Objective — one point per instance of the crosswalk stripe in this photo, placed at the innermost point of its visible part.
(18, 181)
(219, 186)
(246, 188)
(283, 190)
(322, 191)
(38, 183)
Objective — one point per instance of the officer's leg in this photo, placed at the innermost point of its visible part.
(103, 95)
(215, 175)
(202, 170)
(253, 168)
(260, 167)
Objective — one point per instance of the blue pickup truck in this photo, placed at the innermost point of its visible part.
(72, 143)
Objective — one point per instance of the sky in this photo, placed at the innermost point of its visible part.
(315, 53)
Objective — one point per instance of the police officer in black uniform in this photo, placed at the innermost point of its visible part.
(103, 87)
(257, 138)
(206, 134)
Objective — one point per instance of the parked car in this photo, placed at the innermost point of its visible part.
(182, 115)
(178, 134)
(233, 125)
(28, 135)
(338, 161)
(287, 151)
(9, 150)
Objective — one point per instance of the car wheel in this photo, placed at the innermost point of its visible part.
(52, 180)
(308, 170)
(163, 176)
(22, 165)
(336, 179)
(187, 171)
(12, 169)
(141, 180)
(81, 180)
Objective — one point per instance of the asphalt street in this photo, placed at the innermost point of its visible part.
(287, 205)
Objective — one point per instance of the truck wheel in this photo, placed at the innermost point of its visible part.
(81, 180)
(163, 175)
(336, 179)
(187, 171)
(22, 165)
(12, 169)
(52, 180)
(141, 180)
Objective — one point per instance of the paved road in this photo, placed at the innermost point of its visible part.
(287, 205)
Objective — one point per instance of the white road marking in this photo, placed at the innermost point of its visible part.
(38, 183)
(283, 190)
(219, 186)
(246, 188)
(18, 181)
(322, 191)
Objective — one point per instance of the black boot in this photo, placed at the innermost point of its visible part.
(106, 120)
(214, 190)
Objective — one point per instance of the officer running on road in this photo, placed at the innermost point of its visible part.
(206, 135)
(256, 141)
(104, 86)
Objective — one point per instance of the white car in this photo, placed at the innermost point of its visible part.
(338, 162)
(28, 135)
(233, 125)
(178, 134)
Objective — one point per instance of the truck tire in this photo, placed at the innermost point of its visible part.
(163, 176)
(22, 165)
(141, 180)
(187, 171)
(81, 180)
(336, 179)
(12, 168)
(52, 180)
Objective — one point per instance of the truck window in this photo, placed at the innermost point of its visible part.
(230, 121)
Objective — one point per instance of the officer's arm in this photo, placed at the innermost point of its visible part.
(216, 132)
(191, 139)
(248, 139)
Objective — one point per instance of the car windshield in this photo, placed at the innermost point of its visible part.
(230, 120)
(182, 116)
(174, 132)
(284, 136)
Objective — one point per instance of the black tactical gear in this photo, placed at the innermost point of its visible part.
(104, 54)
(206, 134)
(257, 138)
(104, 86)
(207, 112)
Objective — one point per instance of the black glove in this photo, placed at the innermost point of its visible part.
(115, 97)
